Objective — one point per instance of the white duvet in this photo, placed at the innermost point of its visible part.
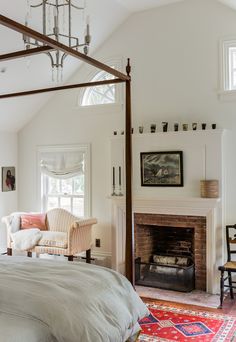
(65, 302)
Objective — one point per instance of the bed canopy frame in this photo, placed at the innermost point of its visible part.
(49, 45)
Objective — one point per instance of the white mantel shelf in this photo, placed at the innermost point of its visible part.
(192, 206)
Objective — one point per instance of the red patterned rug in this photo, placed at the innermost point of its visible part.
(167, 323)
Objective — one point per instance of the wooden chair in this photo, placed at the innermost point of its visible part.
(229, 266)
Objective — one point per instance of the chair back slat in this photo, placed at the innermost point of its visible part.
(230, 240)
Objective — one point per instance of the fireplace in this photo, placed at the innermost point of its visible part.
(165, 257)
(200, 214)
(177, 238)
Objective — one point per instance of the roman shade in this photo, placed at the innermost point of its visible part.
(62, 164)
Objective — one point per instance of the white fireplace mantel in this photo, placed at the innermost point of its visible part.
(210, 208)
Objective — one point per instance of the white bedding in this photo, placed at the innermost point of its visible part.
(65, 302)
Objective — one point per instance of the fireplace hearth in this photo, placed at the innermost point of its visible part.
(176, 275)
(202, 215)
(168, 259)
(170, 251)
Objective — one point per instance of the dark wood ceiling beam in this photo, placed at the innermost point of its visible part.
(5, 21)
(64, 87)
(25, 53)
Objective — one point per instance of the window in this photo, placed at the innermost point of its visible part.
(101, 94)
(64, 179)
(104, 94)
(232, 68)
(228, 79)
(64, 193)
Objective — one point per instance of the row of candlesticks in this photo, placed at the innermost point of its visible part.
(115, 191)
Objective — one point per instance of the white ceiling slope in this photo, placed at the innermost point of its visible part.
(230, 3)
(141, 5)
(35, 72)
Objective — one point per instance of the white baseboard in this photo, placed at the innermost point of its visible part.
(101, 254)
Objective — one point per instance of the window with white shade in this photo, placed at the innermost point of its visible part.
(64, 179)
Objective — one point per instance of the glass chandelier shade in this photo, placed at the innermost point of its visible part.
(57, 24)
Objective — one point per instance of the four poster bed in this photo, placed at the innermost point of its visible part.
(43, 300)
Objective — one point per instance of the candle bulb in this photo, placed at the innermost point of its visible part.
(113, 176)
(120, 175)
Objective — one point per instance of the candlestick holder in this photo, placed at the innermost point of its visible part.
(113, 182)
(120, 193)
(113, 190)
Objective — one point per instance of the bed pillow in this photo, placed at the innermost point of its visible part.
(29, 221)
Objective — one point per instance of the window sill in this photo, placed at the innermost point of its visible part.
(102, 108)
(227, 95)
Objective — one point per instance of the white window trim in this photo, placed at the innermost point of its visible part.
(224, 93)
(109, 107)
(87, 171)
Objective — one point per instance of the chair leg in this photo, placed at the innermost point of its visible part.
(88, 256)
(221, 289)
(29, 254)
(230, 284)
(70, 257)
(9, 251)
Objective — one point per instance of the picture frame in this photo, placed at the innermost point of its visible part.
(8, 178)
(162, 168)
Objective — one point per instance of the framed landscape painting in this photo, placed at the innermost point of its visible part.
(163, 168)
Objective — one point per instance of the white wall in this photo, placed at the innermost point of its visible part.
(174, 53)
(8, 200)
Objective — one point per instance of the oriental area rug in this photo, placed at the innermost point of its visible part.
(169, 323)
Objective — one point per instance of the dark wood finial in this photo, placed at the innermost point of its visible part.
(128, 67)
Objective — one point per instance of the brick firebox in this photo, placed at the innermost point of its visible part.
(197, 223)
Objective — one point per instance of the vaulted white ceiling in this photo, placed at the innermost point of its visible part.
(141, 5)
(25, 74)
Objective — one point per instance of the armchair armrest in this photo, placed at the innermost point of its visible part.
(12, 223)
(80, 235)
(7, 221)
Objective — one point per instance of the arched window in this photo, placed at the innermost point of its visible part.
(107, 94)
(103, 94)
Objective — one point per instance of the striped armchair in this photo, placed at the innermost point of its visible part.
(66, 234)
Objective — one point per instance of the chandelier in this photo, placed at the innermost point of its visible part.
(57, 24)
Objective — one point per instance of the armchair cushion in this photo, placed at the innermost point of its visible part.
(53, 239)
(33, 221)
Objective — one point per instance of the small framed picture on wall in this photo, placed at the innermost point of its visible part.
(8, 178)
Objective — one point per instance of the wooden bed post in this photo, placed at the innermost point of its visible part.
(129, 256)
